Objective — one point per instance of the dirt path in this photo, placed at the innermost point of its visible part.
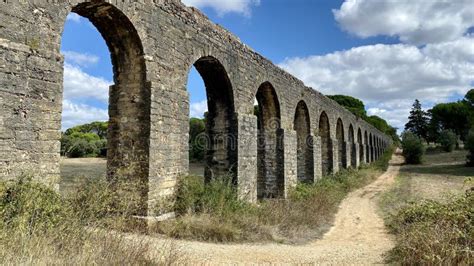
(357, 237)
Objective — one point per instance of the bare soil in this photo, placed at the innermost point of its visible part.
(358, 236)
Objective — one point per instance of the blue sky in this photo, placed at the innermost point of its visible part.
(386, 53)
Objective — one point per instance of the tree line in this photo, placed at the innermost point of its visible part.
(446, 125)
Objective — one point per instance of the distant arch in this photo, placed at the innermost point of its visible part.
(305, 163)
(326, 145)
(361, 146)
(341, 146)
(270, 178)
(352, 146)
(367, 147)
(371, 140)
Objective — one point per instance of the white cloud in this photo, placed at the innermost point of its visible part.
(80, 85)
(389, 77)
(80, 59)
(198, 109)
(415, 22)
(223, 7)
(76, 114)
(74, 17)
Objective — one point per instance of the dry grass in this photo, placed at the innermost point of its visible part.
(212, 212)
(430, 211)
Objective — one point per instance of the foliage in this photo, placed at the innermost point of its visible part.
(418, 121)
(87, 140)
(433, 233)
(448, 140)
(413, 148)
(352, 104)
(469, 145)
(213, 212)
(197, 139)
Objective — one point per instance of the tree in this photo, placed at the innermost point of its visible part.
(413, 148)
(469, 145)
(352, 104)
(418, 121)
(454, 116)
(447, 139)
(197, 129)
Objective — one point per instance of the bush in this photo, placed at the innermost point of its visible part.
(82, 148)
(469, 145)
(413, 148)
(447, 139)
(434, 233)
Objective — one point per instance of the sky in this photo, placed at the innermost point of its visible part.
(386, 53)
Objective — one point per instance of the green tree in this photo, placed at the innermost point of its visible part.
(418, 121)
(447, 139)
(352, 104)
(197, 140)
(469, 145)
(413, 148)
(454, 116)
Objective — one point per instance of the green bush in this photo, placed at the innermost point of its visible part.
(434, 233)
(447, 139)
(82, 148)
(469, 145)
(413, 148)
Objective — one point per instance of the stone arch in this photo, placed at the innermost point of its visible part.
(221, 131)
(341, 147)
(367, 147)
(371, 141)
(305, 163)
(270, 178)
(352, 146)
(128, 131)
(326, 144)
(361, 146)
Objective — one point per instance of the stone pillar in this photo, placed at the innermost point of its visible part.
(247, 157)
(348, 152)
(367, 154)
(335, 156)
(357, 155)
(289, 142)
(318, 169)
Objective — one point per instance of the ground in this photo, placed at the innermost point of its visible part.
(358, 235)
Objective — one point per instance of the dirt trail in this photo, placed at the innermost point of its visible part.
(357, 237)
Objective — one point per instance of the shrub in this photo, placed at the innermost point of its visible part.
(82, 148)
(434, 233)
(469, 145)
(447, 139)
(413, 148)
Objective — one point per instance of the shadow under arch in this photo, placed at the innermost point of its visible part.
(270, 177)
(128, 133)
(221, 130)
(305, 161)
(352, 146)
(326, 144)
(361, 146)
(341, 146)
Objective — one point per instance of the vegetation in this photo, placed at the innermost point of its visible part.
(89, 140)
(413, 148)
(38, 226)
(213, 212)
(357, 107)
(418, 121)
(469, 145)
(429, 211)
(447, 139)
(197, 139)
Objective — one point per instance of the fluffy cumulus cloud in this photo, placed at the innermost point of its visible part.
(79, 85)
(80, 59)
(198, 109)
(77, 114)
(74, 17)
(389, 77)
(223, 7)
(416, 22)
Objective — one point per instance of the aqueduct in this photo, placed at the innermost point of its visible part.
(298, 135)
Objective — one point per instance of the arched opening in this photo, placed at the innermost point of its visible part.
(305, 163)
(270, 179)
(220, 150)
(352, 146)
(326, 145)
(367, 147)
(128, 129)
(371, 144)
(341, 146)
(361, 146)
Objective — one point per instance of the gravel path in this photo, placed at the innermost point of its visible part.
(357, 237)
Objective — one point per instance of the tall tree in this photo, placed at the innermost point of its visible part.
(418, 121)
